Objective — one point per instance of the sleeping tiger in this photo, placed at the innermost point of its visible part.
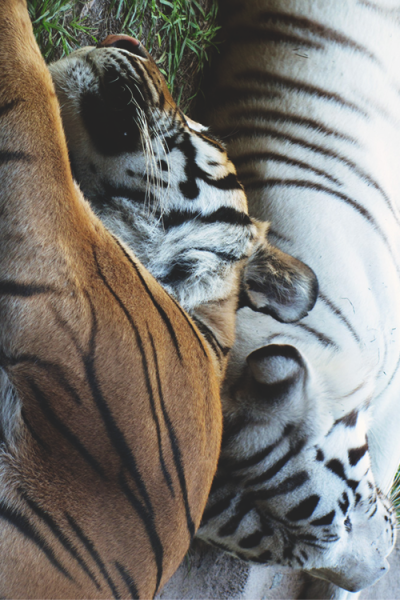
(110, 417)
(306, 94)
(104, 471)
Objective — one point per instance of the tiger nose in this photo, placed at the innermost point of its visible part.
(125, 42)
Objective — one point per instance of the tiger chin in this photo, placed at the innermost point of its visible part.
(165, 187)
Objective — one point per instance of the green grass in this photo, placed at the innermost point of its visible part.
(396, 494)
(56, 26)
(177, 30)
(179, 34)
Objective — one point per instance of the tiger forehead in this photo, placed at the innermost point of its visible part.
(87, 67)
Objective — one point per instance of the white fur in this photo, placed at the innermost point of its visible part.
(357, 263)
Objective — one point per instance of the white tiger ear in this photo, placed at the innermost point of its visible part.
(278, 284)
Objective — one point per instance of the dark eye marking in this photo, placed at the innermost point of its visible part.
(304, 510)
(252, 540)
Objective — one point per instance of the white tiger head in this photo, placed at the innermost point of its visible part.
(294, 485)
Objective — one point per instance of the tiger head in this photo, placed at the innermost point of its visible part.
(294, 485)
(164, 186)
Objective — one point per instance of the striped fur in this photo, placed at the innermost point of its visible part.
(169, 191)
(306, 95)
(104, 474)
(110, 417)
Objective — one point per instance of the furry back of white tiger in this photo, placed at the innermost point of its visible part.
(306, 95)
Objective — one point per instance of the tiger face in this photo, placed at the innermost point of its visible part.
(167, 188)
(155, 178)
(294, 486)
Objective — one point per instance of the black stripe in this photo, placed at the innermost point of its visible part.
(339, 314)
(316, 28)
(128, 580)
(336, 466)
(207, 137)
(141, 71)
(233, 551)
(304, 509)
(147, 518)
(217, 508)
(233, 95)
(272, 471)
(115, 435)
(88, 544)
(260, 77)
(65, 431)
(287, 486)
(112, 190)
(252, 540)
(122, 448)
(228, 182)
(246, 34)
(61, 537)
(6, 157)
(50, 368)
(257, 457)
(356, 454)
(225, 214)
(232, 428)
(159, 308)
(349, 420)
(299, 183)
(211, 338)
(13, 288)
(249, 501)
(5, 108)
(178, 461)
(325, 520)
(145, 369)
(353, 484)
(224, 256)
(254, 112)
(28, 530)
(320, 336)
(388, 13)
(181, 270)
(256, 131)
(33, 433)
(274, 157)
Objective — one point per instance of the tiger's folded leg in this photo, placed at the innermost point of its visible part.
(110, 417)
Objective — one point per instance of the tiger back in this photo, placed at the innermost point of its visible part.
(306, 96)
(110, 415)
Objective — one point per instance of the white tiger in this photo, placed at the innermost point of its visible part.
(307, 96)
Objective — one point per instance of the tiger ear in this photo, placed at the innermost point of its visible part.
(277, 284)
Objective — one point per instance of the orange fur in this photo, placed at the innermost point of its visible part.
(84, 341)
